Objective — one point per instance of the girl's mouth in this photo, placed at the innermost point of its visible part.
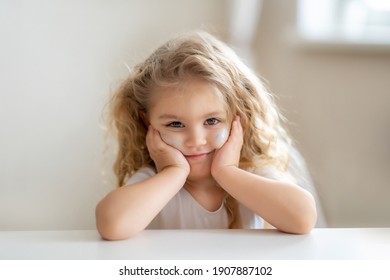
(196, 157)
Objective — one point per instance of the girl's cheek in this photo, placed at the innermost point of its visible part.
(221, 137)
(173, 141)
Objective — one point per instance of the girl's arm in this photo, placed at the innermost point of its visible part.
(284, 205)
(127, 210)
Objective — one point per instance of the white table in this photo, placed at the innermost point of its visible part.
(320, 244)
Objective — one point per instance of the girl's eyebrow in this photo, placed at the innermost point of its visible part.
(167, 116)
(207, 115)
(214, 114)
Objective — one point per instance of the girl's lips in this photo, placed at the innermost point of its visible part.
(197, 156)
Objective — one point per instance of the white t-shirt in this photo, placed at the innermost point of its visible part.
(184, 212)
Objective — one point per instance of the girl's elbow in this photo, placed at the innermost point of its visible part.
(300, 226)
(307, 216)
(113, 228)
(112, 232)
(306, 221)
(302, 221)
(305, 226)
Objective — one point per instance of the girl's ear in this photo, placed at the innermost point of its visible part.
(144, 118)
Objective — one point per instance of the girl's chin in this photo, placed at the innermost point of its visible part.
(198, 170)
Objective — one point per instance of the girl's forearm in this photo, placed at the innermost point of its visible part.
(127, 210)
(284, 205)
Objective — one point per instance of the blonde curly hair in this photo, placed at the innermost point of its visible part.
(199, 54)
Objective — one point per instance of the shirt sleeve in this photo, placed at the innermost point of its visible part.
(140, 175)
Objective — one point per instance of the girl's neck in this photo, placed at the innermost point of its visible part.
(206, 192)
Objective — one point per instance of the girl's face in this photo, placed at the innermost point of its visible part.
(191, 118)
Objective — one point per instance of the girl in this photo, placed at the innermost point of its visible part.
(201, 145)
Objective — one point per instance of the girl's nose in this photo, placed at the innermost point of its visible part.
(196, 138)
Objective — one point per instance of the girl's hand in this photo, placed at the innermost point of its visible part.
(164, 155)
(229, 154)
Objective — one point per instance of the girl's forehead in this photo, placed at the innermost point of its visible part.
(187, 96)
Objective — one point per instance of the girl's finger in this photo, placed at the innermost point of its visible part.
(237, 132)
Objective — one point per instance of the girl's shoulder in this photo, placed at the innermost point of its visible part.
(141, 174)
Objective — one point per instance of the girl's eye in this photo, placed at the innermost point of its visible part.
(212, 121)
(176, 124)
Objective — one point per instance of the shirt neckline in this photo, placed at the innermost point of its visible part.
(198, 205)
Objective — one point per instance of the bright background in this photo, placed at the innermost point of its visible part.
(59, 60)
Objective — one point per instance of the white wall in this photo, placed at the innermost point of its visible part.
(58, 62)
(338, 105)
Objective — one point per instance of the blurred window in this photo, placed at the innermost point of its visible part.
(344, 21)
